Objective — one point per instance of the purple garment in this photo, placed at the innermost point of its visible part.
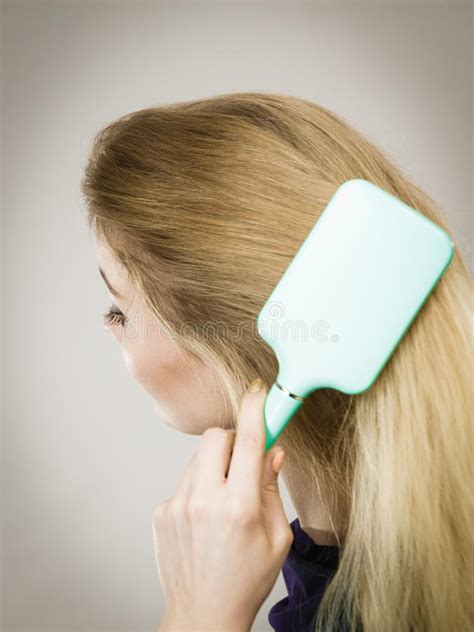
(307, 571)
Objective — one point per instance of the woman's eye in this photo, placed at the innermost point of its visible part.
(113, 316)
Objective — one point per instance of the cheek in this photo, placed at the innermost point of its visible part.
(150, 369)
(153, 360)
(185, 393)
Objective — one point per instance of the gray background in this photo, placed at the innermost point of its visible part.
(84, 459)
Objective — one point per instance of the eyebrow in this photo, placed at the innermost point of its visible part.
(111, 289)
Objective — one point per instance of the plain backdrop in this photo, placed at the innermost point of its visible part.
(84, 459)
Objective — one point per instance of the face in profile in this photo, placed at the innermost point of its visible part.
(185, 394)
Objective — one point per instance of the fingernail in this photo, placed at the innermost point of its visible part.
(256, 385)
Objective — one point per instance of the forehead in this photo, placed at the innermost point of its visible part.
(113, 269)
(105, 257)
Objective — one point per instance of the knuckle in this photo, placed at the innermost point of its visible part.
(215, 431)
(159, 513)
(177, 507)
(196, 508)
(250, 439)
(239, 512)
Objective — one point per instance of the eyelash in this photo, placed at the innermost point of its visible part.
(113, 316)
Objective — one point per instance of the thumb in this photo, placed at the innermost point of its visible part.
(272, 504)
(273, 460)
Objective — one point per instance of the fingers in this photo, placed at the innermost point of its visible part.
(245, 471)
(239, 456)
(208, 466)
(269, 464)
(212, 458)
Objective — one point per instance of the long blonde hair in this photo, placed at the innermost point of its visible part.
(205, 203)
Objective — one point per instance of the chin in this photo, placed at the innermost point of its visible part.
(161, 415)
(172, 421)
(186, 425)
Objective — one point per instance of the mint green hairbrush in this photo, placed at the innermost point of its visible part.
(348, 297)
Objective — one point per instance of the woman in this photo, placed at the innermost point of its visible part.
(196, 209)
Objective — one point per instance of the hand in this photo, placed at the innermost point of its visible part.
(221, 541)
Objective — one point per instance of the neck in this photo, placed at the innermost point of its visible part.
(324, 520)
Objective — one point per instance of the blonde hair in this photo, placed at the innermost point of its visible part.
(195, 200)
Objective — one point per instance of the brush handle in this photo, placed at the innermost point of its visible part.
(280, 406)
